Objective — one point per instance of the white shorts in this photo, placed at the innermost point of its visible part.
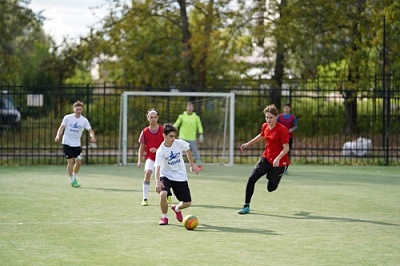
(149, 165)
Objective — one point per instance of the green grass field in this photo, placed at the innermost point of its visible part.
(320, 215)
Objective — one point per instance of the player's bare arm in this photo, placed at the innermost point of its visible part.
(140, 155)
(284, 151)
(193, 167)
(251, 142)
(59, 133)
(157, 177)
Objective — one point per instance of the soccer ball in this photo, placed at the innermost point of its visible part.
(190, 222)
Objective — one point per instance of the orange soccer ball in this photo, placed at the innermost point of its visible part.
(190, 222)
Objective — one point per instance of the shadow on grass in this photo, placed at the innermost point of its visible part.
(302, 216)
(215, 207)
(309, 216)
(111, 189)
(225, 229)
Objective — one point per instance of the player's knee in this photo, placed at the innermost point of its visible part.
(271, 187)
(186, 204)
(163, 194)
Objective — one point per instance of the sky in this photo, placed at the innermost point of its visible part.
(71, 18)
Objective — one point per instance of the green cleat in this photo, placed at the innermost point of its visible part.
(169, 199)
(145, 202)
(75, 184)
(244, 210)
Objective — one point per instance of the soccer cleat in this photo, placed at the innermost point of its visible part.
(200, 167)
(169, 199)
(244, 210)
(75, 184)
(163, 221)
(145, 202)
(178, 214)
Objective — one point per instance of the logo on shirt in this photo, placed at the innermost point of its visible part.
(75, 127)
(174, 158)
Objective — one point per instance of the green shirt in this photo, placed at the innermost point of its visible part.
(188, 126)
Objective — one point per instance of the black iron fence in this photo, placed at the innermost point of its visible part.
(336, 123)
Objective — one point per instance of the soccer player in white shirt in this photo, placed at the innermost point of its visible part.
(170, 172)
(73, 125)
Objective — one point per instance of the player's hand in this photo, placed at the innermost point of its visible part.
(139, 164)
(93, 139)
(159, 187)
(57, 138)
(243, 147)
(194, 169)
(276, 162)
(201, 138)
(153, 150)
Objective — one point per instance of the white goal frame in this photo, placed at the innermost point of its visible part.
(123, 128)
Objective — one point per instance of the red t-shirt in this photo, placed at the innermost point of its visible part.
(274, 140)
(151, 140)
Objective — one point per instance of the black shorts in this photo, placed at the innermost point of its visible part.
(180, 188)
(273, 174)
(72, 152)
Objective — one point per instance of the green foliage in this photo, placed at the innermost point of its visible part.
(107, 120)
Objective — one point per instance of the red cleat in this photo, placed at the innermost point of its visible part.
(163, 221)
(178, 214)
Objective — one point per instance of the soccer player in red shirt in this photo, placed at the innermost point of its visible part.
(274, 159)
(150, 139)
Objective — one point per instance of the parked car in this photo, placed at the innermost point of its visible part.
(10, 115)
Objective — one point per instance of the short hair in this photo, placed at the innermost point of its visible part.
(287, 104)
(78, 103)
(168, 128)
(271, 109)
(151, 110)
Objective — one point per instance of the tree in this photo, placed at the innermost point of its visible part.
(175, 43)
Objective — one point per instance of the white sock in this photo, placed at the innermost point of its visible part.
(72, 178)
(177, 208)
(165, 215)
(146, 186)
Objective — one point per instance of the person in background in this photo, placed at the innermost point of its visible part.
(72, 126)
(274, 159)
(150, 139)
(289, 120)
(189, 124)
(170, 173)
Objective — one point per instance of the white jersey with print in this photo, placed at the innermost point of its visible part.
(73, 129)
(170, 160)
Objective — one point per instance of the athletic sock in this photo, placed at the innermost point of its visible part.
(72, 178)
(146, 186)
(177, 208)
(165, 215)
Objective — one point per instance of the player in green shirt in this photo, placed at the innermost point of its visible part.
(189, 125)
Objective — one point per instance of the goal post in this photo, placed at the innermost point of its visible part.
(216, 110)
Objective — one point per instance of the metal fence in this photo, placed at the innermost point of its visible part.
(323, 108)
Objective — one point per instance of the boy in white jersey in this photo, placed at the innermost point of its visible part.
(170, 172)
(74, 124)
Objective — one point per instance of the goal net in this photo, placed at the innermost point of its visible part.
(216, 111)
